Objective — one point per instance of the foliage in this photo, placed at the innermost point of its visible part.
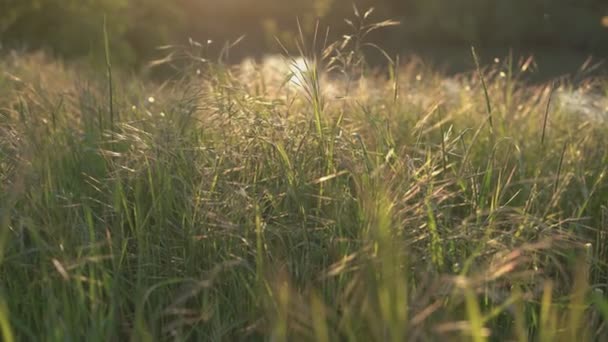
(255, 202)
(73, 28)
(575, 24)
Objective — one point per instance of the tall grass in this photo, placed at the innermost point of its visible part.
(227, 204)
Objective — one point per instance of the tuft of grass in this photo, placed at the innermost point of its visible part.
(231, 205)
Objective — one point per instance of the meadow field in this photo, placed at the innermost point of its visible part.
(304, 198)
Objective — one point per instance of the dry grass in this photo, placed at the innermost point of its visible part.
(234, 204)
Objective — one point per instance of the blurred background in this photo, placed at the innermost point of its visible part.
(561, 33)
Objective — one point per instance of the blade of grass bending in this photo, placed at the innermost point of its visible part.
(5, 326)
(106, 43)
(559, 168)
(552, 90)
(547, 314)
(443, 149)
(319, 320)
(485, 88)
(474, 315)
(396, 80)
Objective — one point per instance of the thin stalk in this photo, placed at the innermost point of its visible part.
(106, 42)
(542, 138)
(485, 88)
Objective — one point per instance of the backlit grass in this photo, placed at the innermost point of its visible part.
(234, 204)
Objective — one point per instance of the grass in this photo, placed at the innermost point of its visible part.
(228, 204)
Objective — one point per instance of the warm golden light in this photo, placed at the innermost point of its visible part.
(605, 21)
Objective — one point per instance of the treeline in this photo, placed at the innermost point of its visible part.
(72, 28)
